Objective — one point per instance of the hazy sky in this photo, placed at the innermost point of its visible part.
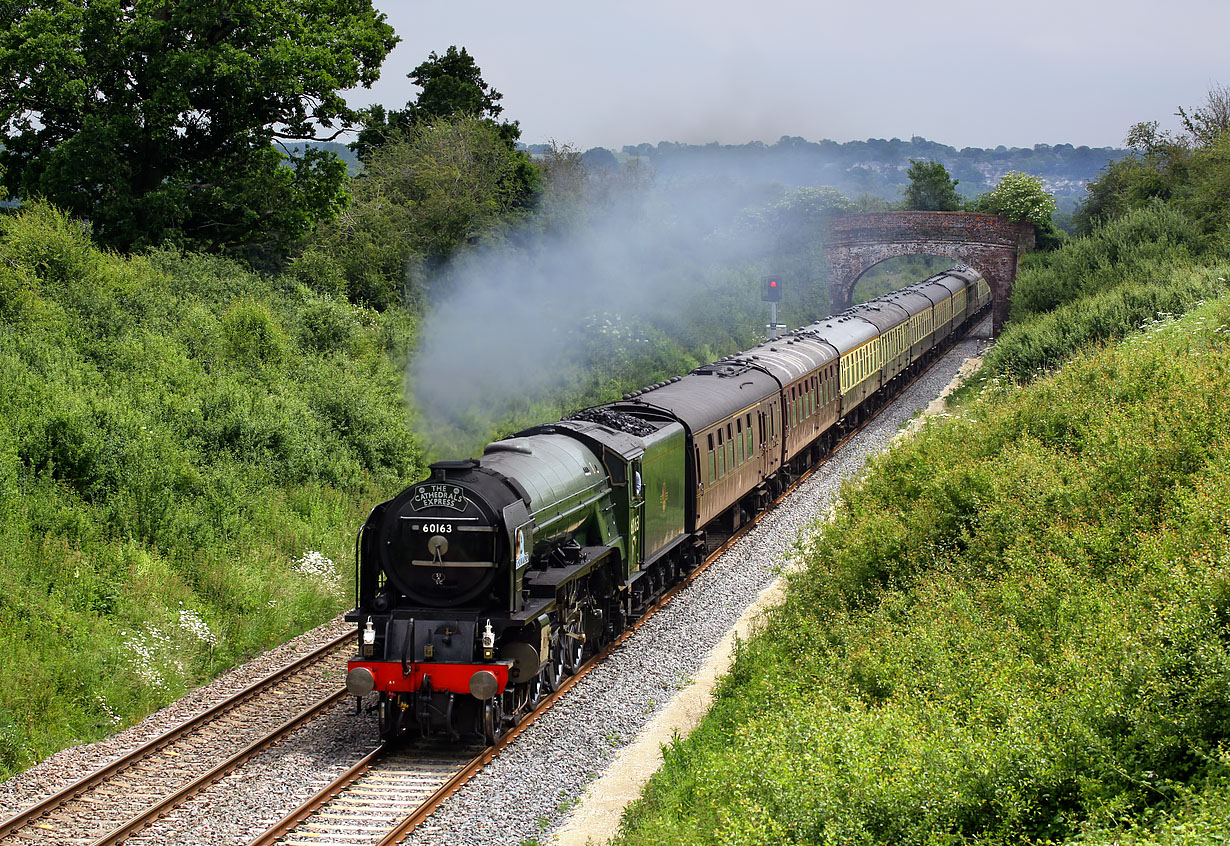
(961, 72)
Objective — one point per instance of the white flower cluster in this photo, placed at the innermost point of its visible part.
(148, 650)
(112, 716)
(316, 566)
(191, 622)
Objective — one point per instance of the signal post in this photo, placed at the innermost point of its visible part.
(771, 293)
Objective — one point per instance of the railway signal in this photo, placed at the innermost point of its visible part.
(771, 293)
(771, 289)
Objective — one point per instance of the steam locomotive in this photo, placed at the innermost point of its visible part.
(482, 588)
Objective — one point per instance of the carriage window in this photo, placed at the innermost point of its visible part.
(747, 436)
(712, 460)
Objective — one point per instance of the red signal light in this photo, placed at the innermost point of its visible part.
(771, 289)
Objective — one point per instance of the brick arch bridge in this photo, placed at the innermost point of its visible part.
(991, 245)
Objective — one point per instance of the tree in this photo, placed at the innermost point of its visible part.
(1127, 184)
(447, 184)
(1205, 125)
(452, 86)
(1021, 197)
(1186, 169)
(156, 119)
(566, 182)
(1018, 196)
(931, 188)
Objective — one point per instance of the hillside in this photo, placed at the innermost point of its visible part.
(186, 449)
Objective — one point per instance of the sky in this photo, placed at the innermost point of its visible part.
(967, 73)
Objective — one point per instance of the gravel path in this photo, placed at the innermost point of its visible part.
(526, 793)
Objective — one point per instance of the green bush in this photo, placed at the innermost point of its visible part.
(1128, 248)
(1045, 341)
(252, 337)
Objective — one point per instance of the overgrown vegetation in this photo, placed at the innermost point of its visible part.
(185, 450)
(1015, 627)
(1188, 171)
(1102, 287)
(1013, 630)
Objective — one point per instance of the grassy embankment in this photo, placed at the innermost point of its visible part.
(1016, 629)
(185, 452)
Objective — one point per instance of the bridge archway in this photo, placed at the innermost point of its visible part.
(991, 245)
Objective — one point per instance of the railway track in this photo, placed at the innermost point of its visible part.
(111, 803)
(389, 793)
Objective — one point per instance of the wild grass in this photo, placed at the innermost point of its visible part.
(186, 450)
(1100, 288)
(1014, 630)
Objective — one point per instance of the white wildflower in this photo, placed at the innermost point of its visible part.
(191, 622)
(316, 566)
(144, 650)
(112, 716)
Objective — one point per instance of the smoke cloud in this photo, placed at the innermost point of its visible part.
(517, 323)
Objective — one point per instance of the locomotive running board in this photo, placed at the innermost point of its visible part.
(543, 583)
(533, 608)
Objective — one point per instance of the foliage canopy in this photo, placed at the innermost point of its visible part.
(452, 87)
(1019, 196)
(445, 184)
(156, 120)
(1189, 171)
(931, 188)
